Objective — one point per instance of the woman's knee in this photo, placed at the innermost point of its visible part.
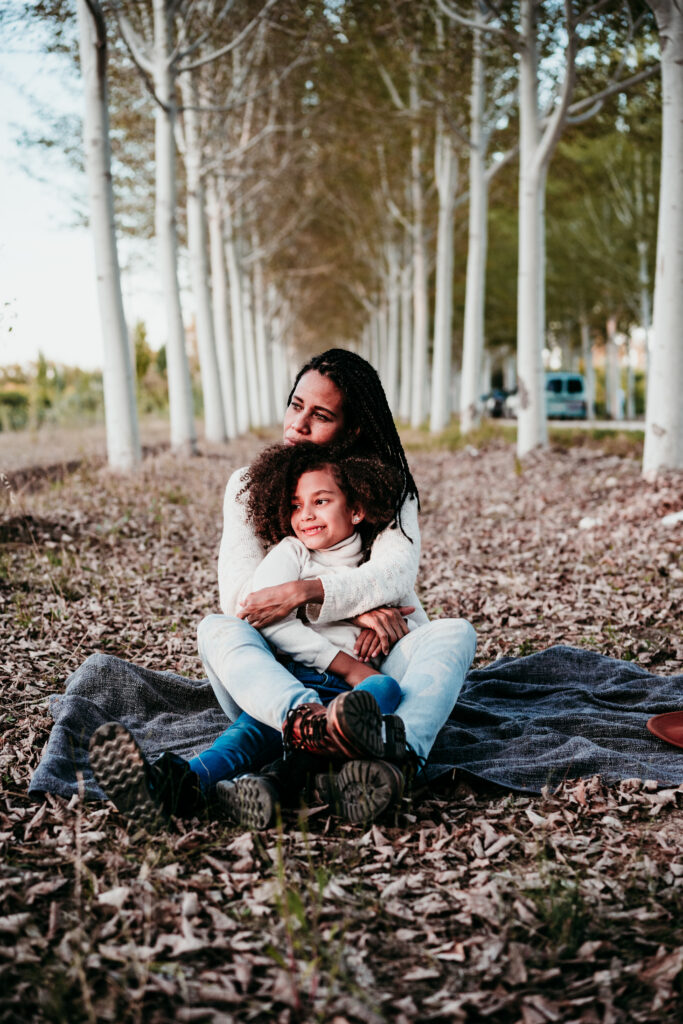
(226, 630)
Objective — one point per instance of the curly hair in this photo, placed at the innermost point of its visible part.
(364, 480)
(370, 427)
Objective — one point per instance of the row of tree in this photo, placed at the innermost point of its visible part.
(320, 151)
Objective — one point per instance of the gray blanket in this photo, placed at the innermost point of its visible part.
(522, 723)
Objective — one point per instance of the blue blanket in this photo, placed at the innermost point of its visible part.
(521, 723)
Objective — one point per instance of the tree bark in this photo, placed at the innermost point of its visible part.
(664, 422)
(473, 334)
(123, 443)
(406, 333)
(419, 253)
(214, 417)
(446, 181)
(236, 320)
(183, 434)
(219, 294)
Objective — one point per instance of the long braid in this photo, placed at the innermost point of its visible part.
(367, 415)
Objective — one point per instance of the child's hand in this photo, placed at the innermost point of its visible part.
(367, 645)
(263, 607)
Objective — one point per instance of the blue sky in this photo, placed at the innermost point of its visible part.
(47, 281)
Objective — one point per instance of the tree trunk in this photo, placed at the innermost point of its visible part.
(588, 368)
(237, 321)
(420, 283)
(473, 336)
(531, 422)
(664, 424)
(123, 444)
(183, 434)
(406, 334)
(264, 366)
(393, 340)
(214, 417)
(612, 383)
(250, 350)
(219, 293)
(446, 181)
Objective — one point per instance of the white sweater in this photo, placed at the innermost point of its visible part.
(383, 581)
(312, 643)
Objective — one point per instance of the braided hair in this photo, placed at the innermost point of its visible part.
(370, 427)
(364, 480)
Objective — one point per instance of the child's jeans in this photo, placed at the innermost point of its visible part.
(249, 744)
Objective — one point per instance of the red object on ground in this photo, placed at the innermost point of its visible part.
(668, 727)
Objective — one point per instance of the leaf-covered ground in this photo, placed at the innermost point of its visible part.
(466, 905)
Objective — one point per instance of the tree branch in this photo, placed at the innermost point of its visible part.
(557, 119)
(239, 38)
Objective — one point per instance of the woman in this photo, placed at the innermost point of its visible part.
(337, 397)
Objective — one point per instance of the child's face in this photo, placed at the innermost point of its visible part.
(321, 516)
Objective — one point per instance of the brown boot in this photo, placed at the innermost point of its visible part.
(350, 727)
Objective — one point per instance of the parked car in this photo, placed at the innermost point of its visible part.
(493, 403)
(565, 396)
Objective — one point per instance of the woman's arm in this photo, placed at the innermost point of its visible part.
(241, 551)
(386, 579)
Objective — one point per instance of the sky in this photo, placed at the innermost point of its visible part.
(48, 299)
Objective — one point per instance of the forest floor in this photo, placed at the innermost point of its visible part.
(466, 905)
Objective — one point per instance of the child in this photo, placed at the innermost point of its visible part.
(323, 512)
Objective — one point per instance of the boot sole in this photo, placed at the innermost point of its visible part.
(120, 770)
(362, 790)
(395, 747)
(249, 801)
(354, 723)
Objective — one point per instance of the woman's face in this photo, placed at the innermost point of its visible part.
(316, 411)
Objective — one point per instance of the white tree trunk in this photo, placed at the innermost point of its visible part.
(123, 443)
(630, 383)
(612, 388)
(420, 282)
(214, 417)
(183, 434)
(263, 364)
(531, 422)
(237, 321)
(473, 335)
(664, 423)
(406, 361)
(277, 317)
(250, 350)
(588, 368)
(393, 338)
(219, 293)
(446, 166)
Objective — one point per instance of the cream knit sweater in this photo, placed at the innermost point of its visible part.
(312, 643)
(385, 580)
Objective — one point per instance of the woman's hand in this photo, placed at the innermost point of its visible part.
(382, 627)
(263, 607)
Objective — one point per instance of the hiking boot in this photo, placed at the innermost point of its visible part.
(395, 747)
(251, 801)
(350, 727)
(361, 790)
(149, 793)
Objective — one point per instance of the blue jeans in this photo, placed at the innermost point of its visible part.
(429, 664)
(249, 744)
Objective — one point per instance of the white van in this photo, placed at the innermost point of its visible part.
(565, 396)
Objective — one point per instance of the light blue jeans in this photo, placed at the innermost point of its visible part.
(429, 663)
